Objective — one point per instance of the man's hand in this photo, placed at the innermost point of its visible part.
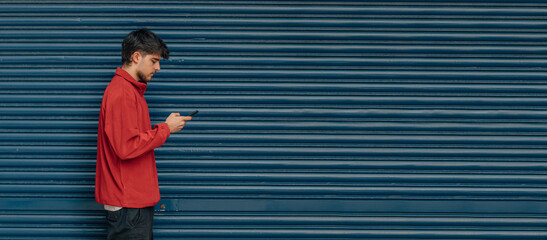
(176, 122)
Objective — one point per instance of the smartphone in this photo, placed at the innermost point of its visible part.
(193, 113)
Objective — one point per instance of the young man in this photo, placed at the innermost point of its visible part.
(126, 180)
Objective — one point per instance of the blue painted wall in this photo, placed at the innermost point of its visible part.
(318, 120)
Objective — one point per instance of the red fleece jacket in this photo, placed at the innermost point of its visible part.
(126, 173)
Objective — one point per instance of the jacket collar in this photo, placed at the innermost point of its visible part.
(141, 87)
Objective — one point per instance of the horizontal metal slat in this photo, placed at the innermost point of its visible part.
(366, 192)
(53, 233)
(347, 233)
(286, 100)
(315, 206)
(277, 8)
(326, 127)
(276, 74)
(319, 21)
(274, 88)
(284, 191)
(112, 49)
(82, 151)
(266, 178)
(355, 220)
(205, 163)
(339, 164)
(304, 220)
(282, 233)
(281, 62)
(386, 178)
(189, 139)
(282, 35)
(292, 114)
(45, 163)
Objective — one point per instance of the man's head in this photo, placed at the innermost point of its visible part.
(142, 51)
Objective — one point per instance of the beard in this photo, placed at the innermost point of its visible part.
(142, 77)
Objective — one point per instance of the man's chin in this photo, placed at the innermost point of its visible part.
(142, 77)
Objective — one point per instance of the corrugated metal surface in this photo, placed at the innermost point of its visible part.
(318, 120)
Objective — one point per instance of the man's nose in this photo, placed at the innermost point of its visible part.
(157, 68)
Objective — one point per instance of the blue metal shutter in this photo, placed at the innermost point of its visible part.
(318, 120)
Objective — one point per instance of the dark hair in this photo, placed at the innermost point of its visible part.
(143, 40)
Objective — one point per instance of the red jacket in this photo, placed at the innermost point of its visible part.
(126, 173)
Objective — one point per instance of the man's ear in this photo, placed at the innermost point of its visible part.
(136, 57)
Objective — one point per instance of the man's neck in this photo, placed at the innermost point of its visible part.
(131, 70)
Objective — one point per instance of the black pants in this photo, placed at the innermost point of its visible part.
(130, 223)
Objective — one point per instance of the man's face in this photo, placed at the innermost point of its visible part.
(148, 65)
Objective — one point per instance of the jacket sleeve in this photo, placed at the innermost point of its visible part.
(122, 128)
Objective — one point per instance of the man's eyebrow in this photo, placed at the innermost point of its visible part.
(157, 59)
